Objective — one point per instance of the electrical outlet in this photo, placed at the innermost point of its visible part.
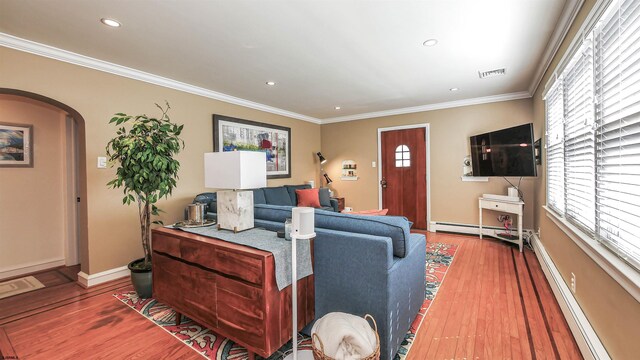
(573, 283)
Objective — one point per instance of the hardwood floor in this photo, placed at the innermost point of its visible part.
(494, 304)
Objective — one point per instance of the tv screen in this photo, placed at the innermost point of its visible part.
(506, 152)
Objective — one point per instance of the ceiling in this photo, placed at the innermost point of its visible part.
(364, 56)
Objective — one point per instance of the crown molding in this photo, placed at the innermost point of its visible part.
(51, 52)
(568, 15)
(431, 107)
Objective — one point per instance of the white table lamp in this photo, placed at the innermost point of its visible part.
(235, 170)
(302, 227)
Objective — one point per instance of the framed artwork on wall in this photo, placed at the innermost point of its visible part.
(231, 134)
(16, 148)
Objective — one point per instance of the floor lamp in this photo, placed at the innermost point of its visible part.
(302, 228)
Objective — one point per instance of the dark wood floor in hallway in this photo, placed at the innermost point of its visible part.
(494, 304)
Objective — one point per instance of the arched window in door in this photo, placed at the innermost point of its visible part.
(403, 156)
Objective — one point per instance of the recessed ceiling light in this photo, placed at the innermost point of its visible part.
(110, 22)
(430, 42)
(454, 89)
(338, 108)
(271, 83)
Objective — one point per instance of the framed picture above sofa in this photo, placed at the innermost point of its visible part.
(232, 134)
(16, 149)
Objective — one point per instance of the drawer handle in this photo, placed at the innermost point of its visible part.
(496, 205)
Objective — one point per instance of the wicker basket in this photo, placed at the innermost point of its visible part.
(318, 353)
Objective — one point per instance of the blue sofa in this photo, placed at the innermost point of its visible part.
(281, 195)
(363, 265)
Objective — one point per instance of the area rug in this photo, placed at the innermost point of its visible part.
(19, 286)
(213, 346)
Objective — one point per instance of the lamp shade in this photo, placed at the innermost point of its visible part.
(322, 159)
(326, 177)
(235, 170)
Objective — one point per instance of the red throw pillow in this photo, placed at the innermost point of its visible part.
(308, 197)
(370, 212)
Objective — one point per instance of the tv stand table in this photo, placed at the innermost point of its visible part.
(511, 207)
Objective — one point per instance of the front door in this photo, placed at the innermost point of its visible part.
(404, 174)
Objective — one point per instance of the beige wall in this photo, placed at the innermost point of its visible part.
(113, 238)
(452, 200)
(31, 199)
(612, 311)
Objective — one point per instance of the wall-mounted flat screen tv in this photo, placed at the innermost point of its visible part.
(506, 152)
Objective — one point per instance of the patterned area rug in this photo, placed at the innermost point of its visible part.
(212, 346)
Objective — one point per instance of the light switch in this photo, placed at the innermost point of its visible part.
(102, 162)
(373, 164)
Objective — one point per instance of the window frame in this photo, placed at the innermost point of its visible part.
(625, 274)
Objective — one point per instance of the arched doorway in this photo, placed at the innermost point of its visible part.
(74, 179)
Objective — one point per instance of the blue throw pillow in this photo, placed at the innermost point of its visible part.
(277, 196)
(325, 199)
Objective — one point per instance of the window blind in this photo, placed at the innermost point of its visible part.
(579, 149)
(617, 137)
(555, 147)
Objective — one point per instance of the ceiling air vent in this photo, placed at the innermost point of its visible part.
(491, 73)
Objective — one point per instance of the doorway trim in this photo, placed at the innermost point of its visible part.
(428, 165)
(81, 246)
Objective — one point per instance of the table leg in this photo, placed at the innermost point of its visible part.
(252, 355)
(178, 318)
(480, 222)
(520, 231)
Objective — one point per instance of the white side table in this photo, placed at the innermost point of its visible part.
(511, 207)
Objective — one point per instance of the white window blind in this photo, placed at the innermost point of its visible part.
(555, 147)
(618, 130)
(579, 152)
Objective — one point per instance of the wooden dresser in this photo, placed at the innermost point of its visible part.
(229, 288)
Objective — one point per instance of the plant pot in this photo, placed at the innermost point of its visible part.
(141, 279)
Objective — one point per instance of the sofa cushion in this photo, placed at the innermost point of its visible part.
(258, 196)
(325, 198)
(209, 199)
(308, 197)
(395, 227)
(269, 212)
(277, 196)
(291, 189)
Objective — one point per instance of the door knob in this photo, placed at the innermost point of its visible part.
(383, 183)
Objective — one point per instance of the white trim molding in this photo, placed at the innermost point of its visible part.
(51, 52)
(588, 341)
(87, 280)
(470, 229)
(30, 268)
(568, 15)
(427, 139)
(431, 107)
(620, 271)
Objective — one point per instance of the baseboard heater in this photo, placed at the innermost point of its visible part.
(467, 229)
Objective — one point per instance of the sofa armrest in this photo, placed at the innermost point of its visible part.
(334, 204)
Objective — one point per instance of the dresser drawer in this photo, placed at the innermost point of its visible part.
(240, 310)
(166, 244)
(500, 206)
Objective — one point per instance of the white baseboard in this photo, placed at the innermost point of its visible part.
(30, 268)
(587, 339)
(470, 229)
(87, 280)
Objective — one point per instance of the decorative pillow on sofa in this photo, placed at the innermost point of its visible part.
(308, 197)
(325, 199)
(291, 189)
(370, 212)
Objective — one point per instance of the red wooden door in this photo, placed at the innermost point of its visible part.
(404, 174)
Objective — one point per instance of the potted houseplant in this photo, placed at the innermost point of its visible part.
(143, 151)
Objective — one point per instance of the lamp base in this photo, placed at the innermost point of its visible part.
(300, 355)
(235, 210)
